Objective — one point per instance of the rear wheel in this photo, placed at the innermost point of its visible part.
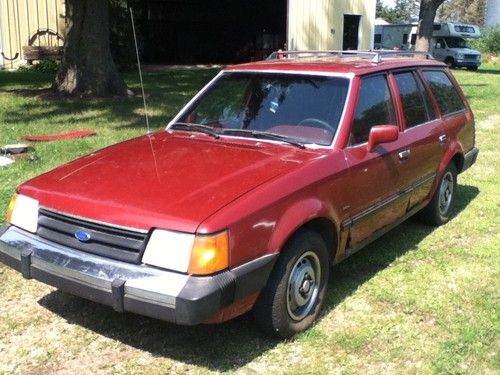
(294, 294)
(437, 212)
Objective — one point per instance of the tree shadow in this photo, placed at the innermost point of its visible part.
(487, 71)
(166, 93)
(474, 85)
(233, 344)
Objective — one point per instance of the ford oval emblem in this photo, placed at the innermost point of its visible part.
(82, 236)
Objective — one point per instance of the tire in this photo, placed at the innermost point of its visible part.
(292, 299)
(450, 62)
(437, 212)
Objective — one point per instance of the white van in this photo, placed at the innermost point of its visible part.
(448, 42)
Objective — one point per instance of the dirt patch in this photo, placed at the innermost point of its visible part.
(492, 122)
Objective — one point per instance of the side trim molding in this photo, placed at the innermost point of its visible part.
(351, 250)
(387, 201)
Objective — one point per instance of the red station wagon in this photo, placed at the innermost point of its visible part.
(273, 172)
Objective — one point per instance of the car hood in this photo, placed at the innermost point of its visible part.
(467, 51)
(167, 180)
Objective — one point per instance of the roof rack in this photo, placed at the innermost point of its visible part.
(376, 56)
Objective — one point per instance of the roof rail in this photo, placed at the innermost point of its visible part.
(376, 56)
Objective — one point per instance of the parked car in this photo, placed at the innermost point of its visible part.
(273, 172)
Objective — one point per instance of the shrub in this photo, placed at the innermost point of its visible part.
(489, 41)
(43, 66)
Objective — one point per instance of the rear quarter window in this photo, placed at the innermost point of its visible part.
(444, 91)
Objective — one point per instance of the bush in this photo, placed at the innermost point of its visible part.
(489, 41)
(44, 66)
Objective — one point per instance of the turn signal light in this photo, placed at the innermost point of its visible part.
(210, 254)
(10, 209)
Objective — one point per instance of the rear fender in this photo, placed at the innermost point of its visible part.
(453, 149)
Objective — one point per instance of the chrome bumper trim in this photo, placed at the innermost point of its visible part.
(141, 283)
(141, 289)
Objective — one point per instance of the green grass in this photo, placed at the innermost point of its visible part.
(418, 300)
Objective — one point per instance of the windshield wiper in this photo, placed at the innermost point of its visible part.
(195, 128)
(264, 135)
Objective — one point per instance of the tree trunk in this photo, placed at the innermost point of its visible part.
(426, 17)
(87, 68)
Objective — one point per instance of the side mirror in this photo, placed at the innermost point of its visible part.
(382, 134)
(438, 45)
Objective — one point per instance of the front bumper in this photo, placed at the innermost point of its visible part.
(141, 289)
(467, 63)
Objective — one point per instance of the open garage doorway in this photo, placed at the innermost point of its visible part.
(217, 31)
(350, 39)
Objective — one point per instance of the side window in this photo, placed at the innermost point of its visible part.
(374, 107)
(416, 105)
(431, 113)
(405, 38)
(445, 93)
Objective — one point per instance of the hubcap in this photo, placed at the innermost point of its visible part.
(303, 285)
(445, 193)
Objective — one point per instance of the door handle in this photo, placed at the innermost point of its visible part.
(443, 138)
(403, 155)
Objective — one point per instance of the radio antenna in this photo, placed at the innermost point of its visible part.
(140, 71)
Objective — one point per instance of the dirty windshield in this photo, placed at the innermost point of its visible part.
(300, 109)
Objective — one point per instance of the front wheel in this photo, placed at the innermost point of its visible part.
(450, 62)
(438, 211)
(294, 294)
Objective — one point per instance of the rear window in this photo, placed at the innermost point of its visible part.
(445, 93)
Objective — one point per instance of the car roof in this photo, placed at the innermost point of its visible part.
(357, 65)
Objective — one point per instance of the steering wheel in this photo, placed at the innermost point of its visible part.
(317, 121)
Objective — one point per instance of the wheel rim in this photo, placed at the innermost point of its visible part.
(445, 193)
(303, 286)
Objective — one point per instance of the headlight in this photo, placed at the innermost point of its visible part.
(460, 56)
(196, 255)
(23, 212)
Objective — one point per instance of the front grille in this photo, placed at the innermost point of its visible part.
(471, 57)
(116, 243)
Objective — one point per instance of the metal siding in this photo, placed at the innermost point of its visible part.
(492, 12)
(21, 19)
(1, 39)
(311, 21)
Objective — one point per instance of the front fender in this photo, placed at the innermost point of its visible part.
(295, 217)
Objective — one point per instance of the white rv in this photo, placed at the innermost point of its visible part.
(448, 42)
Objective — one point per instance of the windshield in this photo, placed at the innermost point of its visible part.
(456, 43)
(303, 108)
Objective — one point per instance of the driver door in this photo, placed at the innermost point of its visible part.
(376, 194)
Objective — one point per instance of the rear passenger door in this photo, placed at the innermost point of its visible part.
(423, 135)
